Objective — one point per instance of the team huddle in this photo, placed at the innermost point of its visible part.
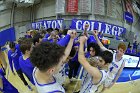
(42, 57)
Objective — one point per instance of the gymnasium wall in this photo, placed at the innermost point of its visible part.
(46, 10)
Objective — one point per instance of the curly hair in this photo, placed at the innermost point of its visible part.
(95, 46)
(46, 55)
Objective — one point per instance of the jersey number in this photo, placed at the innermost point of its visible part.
(111, 69)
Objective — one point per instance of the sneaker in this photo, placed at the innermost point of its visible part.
(29, 87)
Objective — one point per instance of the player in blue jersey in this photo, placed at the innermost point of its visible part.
(24, 60)
(97, 74)
(48, 59)
(13, 55)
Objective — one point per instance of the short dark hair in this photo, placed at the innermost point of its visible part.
(12, 45)
(43, 32)
(49, 30)
(65, 31)
(95, 46)
(25, 45)
(46, 55)
(106, 56)
(36, 38)
(21, 39)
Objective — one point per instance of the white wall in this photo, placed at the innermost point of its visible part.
(45, 9)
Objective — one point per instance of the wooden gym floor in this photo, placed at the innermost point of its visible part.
(126, 87)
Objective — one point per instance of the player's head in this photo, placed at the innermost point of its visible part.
(37, 39)
(43, 32)
(21, 39)
(57, 31)
(93, 49)
(104, 59)
(47, 57)
(12, 46)
(25, 46)
(121, 49)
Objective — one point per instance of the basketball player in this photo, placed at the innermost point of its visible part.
(117, 64)
(13, 55)
(24, 60)
(97, 75)
(48, 59)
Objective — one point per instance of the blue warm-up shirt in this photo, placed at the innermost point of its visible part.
(14, 58)
(27, 68)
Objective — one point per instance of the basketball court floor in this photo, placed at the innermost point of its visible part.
(132, 86)
(129, 82)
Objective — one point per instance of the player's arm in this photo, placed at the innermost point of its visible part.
(95, 33)
(118, 74)
(85, 30)
(70, 44)
(93, 71)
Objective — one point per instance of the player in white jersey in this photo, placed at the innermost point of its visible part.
(48, 58)
(97, 77)
(116, 66)
(61, 75)
(53, 87)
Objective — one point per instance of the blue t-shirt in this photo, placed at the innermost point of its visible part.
(7, 86)
(27, 68)
(14, 58)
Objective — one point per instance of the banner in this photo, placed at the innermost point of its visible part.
(60, 6)
(72, 6)
(7, 35)
(85, 6)
(48, 24)
(128, 17)
(99, 7)
(97, 25)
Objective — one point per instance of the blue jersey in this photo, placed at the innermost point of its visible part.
(14, 57)
(47, 35)
(64, 41)
(27, 68)
(7, 86)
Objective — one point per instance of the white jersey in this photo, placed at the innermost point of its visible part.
(89, 87)
(85, 77)
(114, 67)
(60, 76)
(53, 87)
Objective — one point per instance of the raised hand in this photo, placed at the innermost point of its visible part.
(95, 32)
(83, 39)
(73, 34)
(86, 26)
